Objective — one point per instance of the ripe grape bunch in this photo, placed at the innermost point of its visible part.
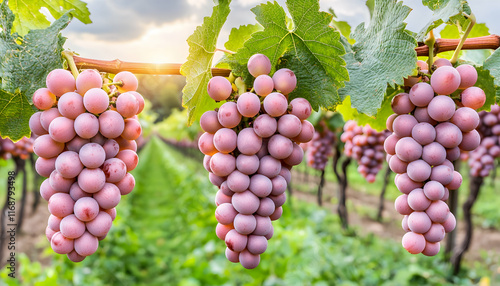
(86, 147)
(429, 132)
(482, 160)
(366, 146)
(22, 148)
(250, 144)
(319, 149)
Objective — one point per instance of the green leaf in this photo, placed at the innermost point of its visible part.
(487, 83)
(305, 44)
(444, 11)
(493, 65)
(197, 69)
(239, 36)
(28, 15)
(370, 4)
(384, 53)
(15, 113)
(26, 61)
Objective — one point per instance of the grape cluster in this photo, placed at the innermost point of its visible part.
(250, 147)
(22, 148)
(86, 147)
(319, 149)
(366, 146)
(482, 160)
(429, 132)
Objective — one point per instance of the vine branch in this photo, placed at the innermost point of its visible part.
(115, 66)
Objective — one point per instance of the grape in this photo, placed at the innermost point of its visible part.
(45, 166)
(442, 174)
(75, 257)
(111, 148)
(68, 164)
(209, 122)
(266, 208)
(92, 155)
(448, 135)
(277, 213)
(114, 169)
(91, 180)
(108, 197)
(419, 222)
(76, 144)
(434, 154)
(126, 185)
(72, 227)
(259, 64)
(280, 147)
(263, 225)
(244, 224)
(76, 192)
(260, 185)
(263, 85)
(88, 79)
(59, 183)
(61, 244)
(421, 94)
(434, 190)
(128, 81)
(417, 200)
(320, 148)
(232, 256)
(450, 223)
(219, 88)
(390, 144)
(466, 119)
(61, 129)
(438, 211)
(408, 150)
(441, 62)
(435, 234)
(46, 191)
(86, 208)
(431, 249)
(247, 164)
(225, 213)
(422, 115)
(132, 129)
(222, 164)
(61, 204)
(401, 104)
(423, 133)
(86, 244)
(111, 124)
(235, 241)
(248, 142)
(238, 182)
(265, 126)
(455, 182)
(54, 222)
(275, 104)
(269, 167)
(289, 125)
(96, 100)
(445, 80)
(206, 144)
(70, 105)
(128, 157)
(468, 75)
(245, 202)
(441, 108)
(228, 115)
(248, 104)
(419, 170)
(296, 157)
(403, 124)
(306, 133)
(473, 97)
(397, 166)
(225, 140)
(127, 105)
(35, 124)
(43, 99)
(47, 116)
(414, 243)
(284, 80)
(470, 140)
(60, 81)
(401, 205)
(256, 244)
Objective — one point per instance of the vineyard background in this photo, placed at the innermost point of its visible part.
(164, 232)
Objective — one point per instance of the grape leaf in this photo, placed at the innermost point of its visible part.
(26, 61)
(28, 15)
(305, 44)
(384, 53)
(493, 65)
(487, 83)
(15, 113)
(197, 68)
(444, 11)
(239, 36)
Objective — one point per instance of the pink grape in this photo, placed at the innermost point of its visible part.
(60, 81)
(403, 125)
(61, 129)
(296, 156)
(111, 148)
(76, 144)
(228, 115)
(442, 174)
(423, 133)
(247, 164)
(445, 80)
(435, 234)
(245, 202)
(434, 154)
(225, 213)
(68, 164)
(390, 144)
(249, 260)
(248, 142)
(43, 99)
(438, 211)
(422, 115)
(256, 244)
(401, 104)
(434, 190)
(92, 155)
(47, 116)
(266, 208)
(132, 129)
(405, 184)
(75, 257)
(265, 126)
(111, 124)
(441, 108)
(301, 108)
(220, 198)
(419, 222)
(128, 79)
(417, 200)
(206, 144)
(59, 183)
(96, 100)
(235, 241)
(225, 140)
(397, 166)
(86, 125)
(91, 180)
(280, 147)
(126, 185)
(441, 62)
(448, 135)
(61, 204)
(72, 227)
(70, 105)
(455, 182)
(258, 64)
(431, 248)
(473, 97)
(468, 75)
(408, 150)
(128, 157)
(222, 164)
(401, 205)
(54, 222)
(127, 105)
(280, 183)
(219, 88)
(470, 140)
(284, 80)
(114, 169)
(45, 166)
(419, 170)
(61, 244)
(269, 166)
(277, 213)
(76, 192)
(108, 197)
(238, 182)
(35, 124)
(86, 244)
(232, 255)
(421, 94)
(260, 185)
(306, 132)
(289, 125)
(225, 189)
(86, 208)
(263, 226)
(244, 224)
(450, 223)
(46, 191)
(466, 119)
(100, 225)
(263, 85)
(275, 104)
(88, 79)
(248, 104)
(209, 122)
(453, 154)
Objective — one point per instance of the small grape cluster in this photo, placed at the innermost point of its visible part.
(429, 132)
(366, 146)
(250, 147)
(22, 148)
(86, 147)
(319, 149)
(482, 160)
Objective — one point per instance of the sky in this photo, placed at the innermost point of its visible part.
(156, 30)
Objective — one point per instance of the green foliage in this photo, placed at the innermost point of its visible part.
(23, 72)
(475, 56)
(493, 65)
(444, 11)
(29, 17)
(197, 69)
(487, 83)
(384, 53)
(239, 36)
(175, 127)
(305, 44)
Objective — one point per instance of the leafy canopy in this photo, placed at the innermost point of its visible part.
(197, 69)
(444, 11)
(22, 71)
(384, 53)
(305, 44)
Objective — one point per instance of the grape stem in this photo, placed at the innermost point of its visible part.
(70, 58)
(116, 66)
(430, 43)
(119, 83)
(454, 58)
